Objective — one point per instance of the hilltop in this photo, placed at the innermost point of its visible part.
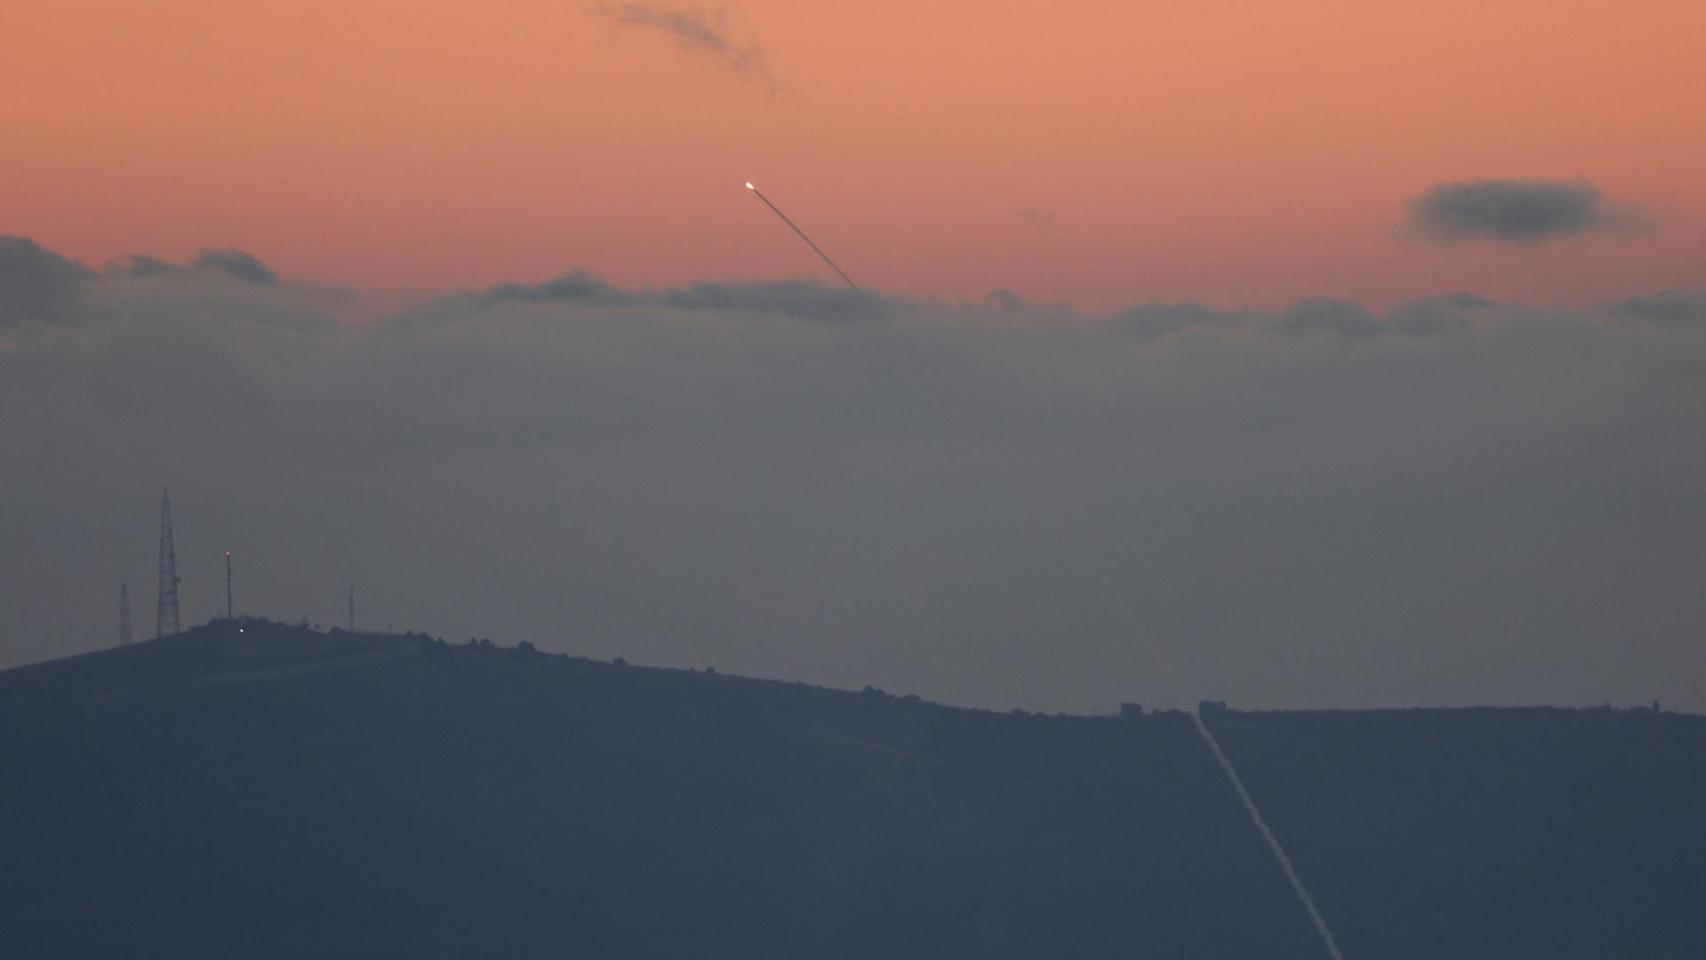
(249, 789)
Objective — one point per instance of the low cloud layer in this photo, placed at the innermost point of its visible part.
(233, 263)
(799, 299)
(1523, 212)
(1452, 501)
(36, 284)
(696, 31)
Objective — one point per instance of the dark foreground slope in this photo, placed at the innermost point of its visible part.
(285, 793)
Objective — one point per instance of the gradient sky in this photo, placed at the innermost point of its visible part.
(1262, 431)
(1097, 153)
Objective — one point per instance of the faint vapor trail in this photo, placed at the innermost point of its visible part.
(1261, 822)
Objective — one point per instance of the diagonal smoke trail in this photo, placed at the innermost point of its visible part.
(875, 307)
(1291, 875)
(815, 248)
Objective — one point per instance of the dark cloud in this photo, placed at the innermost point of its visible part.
(145, 266)
(1515, 211)
(36, 284)
(1450, 501)
(802, 299)
(1670, 308)
(230, 262)
(1154, 320)
(697, 31)
(805, 299)
(1435, 316)
(577, 286)
(238, 264)
(1336, 317)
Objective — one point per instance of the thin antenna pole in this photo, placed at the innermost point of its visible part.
(229, 615)
(166, 607)
(124, 614)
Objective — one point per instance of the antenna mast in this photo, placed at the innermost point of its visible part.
(124, 614)
(166, 612)
(229, 615)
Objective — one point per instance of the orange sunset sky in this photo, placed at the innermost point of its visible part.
(1102, 153)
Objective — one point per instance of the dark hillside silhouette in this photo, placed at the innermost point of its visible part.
(283, 792)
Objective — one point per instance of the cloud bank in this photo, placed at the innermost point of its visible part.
(1523, 212)
(1453, 501)
(35, 284)
(233, 263)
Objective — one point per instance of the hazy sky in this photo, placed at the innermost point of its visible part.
(1098, 153)
(1354, 354)
(1450, 502)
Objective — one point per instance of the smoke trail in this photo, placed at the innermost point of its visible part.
(815, 248)
(1250, 807)
(875, 307)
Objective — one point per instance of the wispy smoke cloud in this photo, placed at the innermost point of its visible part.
(1524, 212)
(697, 31)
